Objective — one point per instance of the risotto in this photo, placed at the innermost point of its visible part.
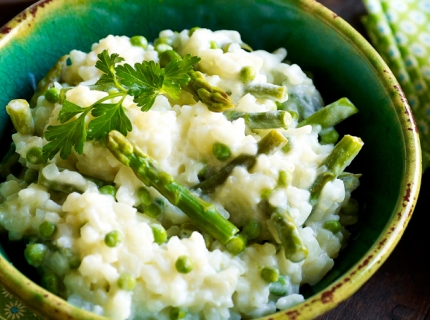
(191, 177)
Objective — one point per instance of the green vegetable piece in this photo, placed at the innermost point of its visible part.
(108, 190)
(144, 196)
(192, 30)
(268, 91)
(35, 254)
(279, 288)
(177, 313)
(31, 175)
(126, 282)
(113, 238)
(139, 41)
(289, 234)
(160, 234)
(331, 115)
(50, 282)
(20, 114)
(216, 99)
(329, 136)
(162, 47)
(221, 151)
(155, 209)
(203, 214)
(47, 230)
(52, 95)
(332, 225)
(339, 158)
(237, 244)
(283, 179)
(351, 208)
(288, 146)
(9, 163)
(34, 155)
(53, 75)
(269, 274)
(184, 264)
(271, 142)
(247, 74)
(167, 56)
(214, 45)
(262, 120)
(252, 229)
(163, 40)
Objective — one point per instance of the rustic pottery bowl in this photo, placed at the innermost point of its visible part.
(342, 62)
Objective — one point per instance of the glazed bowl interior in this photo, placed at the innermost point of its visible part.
(342, 64)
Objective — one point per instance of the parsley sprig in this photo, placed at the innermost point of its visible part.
(145, 81)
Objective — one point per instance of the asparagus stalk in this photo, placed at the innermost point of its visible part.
(330, 115)
(20, 114)
(268, 91)
(53, 75)
(215, 98)
(262, 120)
(9, 163)
(270, 142)
(295, 249)
(339, 158)
(202, 213)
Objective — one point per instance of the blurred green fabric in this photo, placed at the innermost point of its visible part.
(400, 32)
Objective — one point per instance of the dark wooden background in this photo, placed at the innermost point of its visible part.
(400, 289)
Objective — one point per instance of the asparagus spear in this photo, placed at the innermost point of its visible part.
(331, 114)
(9, 163)
(215, 98)
(292, 242)
(262, 120)
(53, 75)
(20, 114)
(268, 91)
(202, 213)
(339, 158)
(271, 141)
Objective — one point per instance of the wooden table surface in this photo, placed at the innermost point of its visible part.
(400, 289)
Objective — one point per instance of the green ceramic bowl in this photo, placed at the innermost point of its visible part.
(343, 63)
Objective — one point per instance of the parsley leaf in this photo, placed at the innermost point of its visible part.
(63, 137)
(108, 117)
(106, 64)
(69, 110)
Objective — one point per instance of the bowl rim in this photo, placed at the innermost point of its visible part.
(43, 302)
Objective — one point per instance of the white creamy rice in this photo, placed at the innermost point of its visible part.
(179, 135)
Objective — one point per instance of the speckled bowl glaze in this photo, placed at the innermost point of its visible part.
(343, 64)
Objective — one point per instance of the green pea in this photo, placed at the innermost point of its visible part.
(155, 209)
(352, 207)
(108, 190)
(184, 264)
(50, 282)
(47, 230)
(139, 41)
(144, 196)
(72, 258)
(34, 155)
(177, 313)
(247, 74)
(126, 282)
(166, 56)
(221, 151)
(163, 40)
(35, 254)
(329, 136)
(252, 229)
(160, 234)
(270, 274)
(279, 288)
(332, 225)
(113, 238)
(192, 30)
(52, 95)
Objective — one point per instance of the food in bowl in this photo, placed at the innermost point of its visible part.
(188, 178)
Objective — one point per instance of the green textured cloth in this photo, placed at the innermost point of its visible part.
(400, 32)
